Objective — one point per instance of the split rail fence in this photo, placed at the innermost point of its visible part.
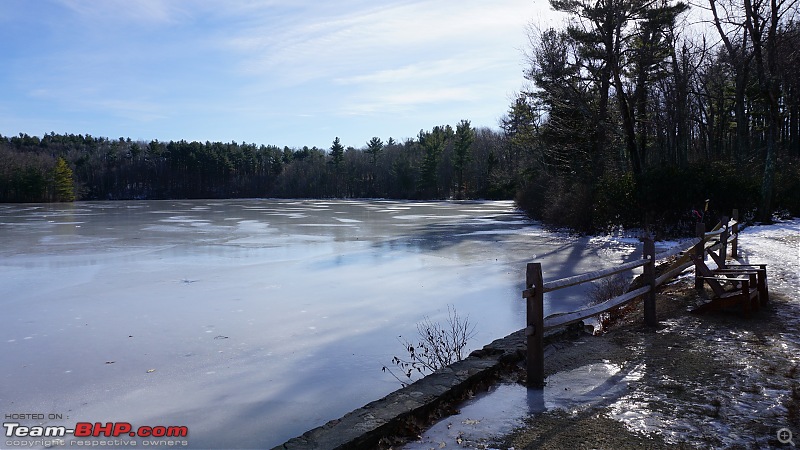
(714, 242)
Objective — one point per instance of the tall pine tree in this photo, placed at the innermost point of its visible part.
(63, 184)
(465, 136)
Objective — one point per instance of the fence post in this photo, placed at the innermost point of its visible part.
(699, 251)
(535, 324)
(649, 251)
(723, 242)
(735, 231)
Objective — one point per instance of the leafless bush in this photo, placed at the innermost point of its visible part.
(438, 346)
(607, 288)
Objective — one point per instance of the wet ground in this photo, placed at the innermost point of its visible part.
(697, 381)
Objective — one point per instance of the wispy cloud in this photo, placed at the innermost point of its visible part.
(323, 46)
(262, 68)
(121, 11)
(396, 56)
(422, 71)
(393, 102)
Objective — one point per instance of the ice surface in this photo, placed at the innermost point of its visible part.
(251, 321)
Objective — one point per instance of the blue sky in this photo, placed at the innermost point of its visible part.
(265, 71)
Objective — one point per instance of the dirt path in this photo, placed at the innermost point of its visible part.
(697, 381)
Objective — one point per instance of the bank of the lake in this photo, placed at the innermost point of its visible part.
(696, 381)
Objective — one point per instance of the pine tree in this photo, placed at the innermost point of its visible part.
(337, 157)
(465, 136)
(374, 149)
(337, 152)
(64, 185)
(433, 144)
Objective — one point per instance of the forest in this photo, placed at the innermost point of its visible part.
(639, 110)
(440, 163)
(632, 114)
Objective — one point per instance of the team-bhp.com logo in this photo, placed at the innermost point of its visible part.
(93, 430)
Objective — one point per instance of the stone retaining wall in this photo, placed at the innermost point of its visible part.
(405, 411)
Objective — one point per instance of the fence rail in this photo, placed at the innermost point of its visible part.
(590, 276)
(576, 316)
(724, 233)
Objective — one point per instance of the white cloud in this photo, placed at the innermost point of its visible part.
(323, 46)
(216, 65)
(400, 56)
(422, 71)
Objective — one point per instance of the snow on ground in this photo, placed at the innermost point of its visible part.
(778, 246)
(734, 382)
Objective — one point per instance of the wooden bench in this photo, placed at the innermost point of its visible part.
(760, 271)
(746, 286)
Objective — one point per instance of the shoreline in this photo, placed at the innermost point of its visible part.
(715, 380)
(708, 381)
(681, 385)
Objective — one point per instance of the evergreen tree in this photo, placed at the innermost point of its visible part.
(622, 44)
(566, 98)
(63, 184)
(465, 136)
(337, 153)
(337, 157)
(374, 149)
(433, 144)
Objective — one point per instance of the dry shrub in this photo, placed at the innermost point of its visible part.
(605, 289)
(438, 346)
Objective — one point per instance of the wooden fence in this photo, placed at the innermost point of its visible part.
(714, 242)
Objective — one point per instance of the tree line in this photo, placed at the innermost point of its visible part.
(439, 163)
(636, 111)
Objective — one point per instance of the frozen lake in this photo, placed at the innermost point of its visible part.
(251, 321)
